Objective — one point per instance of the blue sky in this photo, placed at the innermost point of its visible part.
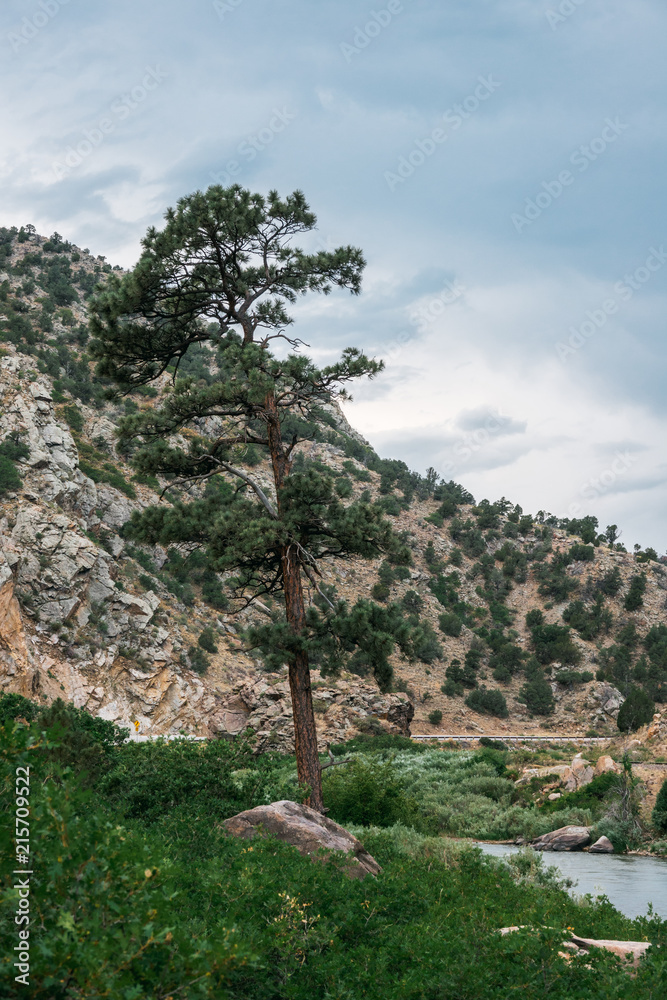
(500, 162)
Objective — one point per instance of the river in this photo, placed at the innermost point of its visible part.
(629, 882)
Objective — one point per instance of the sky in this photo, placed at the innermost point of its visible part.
(499, 162)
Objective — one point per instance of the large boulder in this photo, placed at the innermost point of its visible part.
(307, 830)
(606, 763)
(601, 846)
(567, 838)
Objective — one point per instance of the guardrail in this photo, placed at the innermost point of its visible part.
(458, 738)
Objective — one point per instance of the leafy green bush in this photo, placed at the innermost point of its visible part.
(552, 643)
(659, 814)
(199, 661)
(10, 481)
(636, 711)
(14, 449)
(435, 717)
(634, 598)
(366, 792)
(489, 701)
(537, 694)
(450, 624)
(207, 640)
(74, 417)
(610, 583)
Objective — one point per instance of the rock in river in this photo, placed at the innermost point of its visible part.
(567, 838)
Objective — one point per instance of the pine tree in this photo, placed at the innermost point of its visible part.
(221, 274)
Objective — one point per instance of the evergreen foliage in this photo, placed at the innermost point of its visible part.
(634, 598)
(659, 814)
(489, 701)
(636, 711)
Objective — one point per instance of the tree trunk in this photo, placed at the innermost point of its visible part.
(305, 732)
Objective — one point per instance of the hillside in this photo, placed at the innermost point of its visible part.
(557, 618)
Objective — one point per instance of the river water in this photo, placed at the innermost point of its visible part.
(629, 882)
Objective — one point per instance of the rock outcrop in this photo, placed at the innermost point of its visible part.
(566, 838)
(307, 830)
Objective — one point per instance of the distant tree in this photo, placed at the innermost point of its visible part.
(489, 701)
(611, 582)
(659, 814)
(536, 692)
(222, 273)
(634, 598)
(611, 534)
(636, 711)
(435, 717)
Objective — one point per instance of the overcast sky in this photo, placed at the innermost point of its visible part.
(500, 163)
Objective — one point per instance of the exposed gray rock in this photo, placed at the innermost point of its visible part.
(567, 838)
(307, 830)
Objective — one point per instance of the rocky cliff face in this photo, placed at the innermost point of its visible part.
(115, 629)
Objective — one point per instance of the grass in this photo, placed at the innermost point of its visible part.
(140, 894)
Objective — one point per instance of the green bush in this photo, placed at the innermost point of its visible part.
(435, 717)
(611, 582)
(659, 814)
(636, 711)
(634, 598)
(207, 640)
(10, 481)
(199, 661)
(367, 793)
(450, 624)
(537, 694)
(489, 701)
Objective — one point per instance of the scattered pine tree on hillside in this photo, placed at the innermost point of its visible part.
(220, 275)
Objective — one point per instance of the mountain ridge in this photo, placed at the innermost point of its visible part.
(123, 629)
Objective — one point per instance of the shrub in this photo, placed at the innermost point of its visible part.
(636, 711)
(366, 792)
(435, 717)
(488, 701)
(659, 814)
(537, 694)
(610, 583)
(552, 643)
(74, 417)
(199, 661)
(207, 640)
(13, 449)
(13, 706)
(582, 553)
(10, 481)
(634, 598)
(450, 624)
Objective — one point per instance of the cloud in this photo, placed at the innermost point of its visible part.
(452, 358)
